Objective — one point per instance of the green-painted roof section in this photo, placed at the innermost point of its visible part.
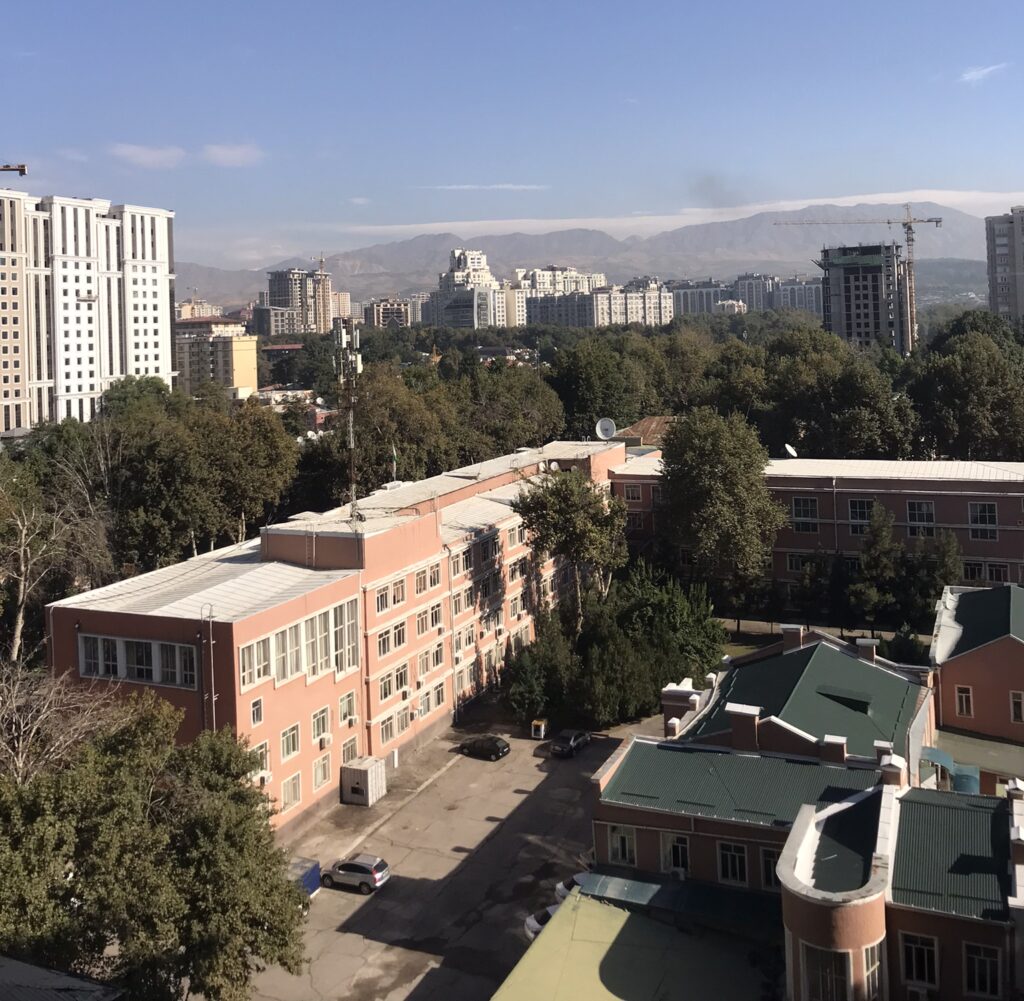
(768, 791)
(988, 614)
(952, 854)
(820, 690)
(842, 858)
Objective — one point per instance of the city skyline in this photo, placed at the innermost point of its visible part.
(257, 170)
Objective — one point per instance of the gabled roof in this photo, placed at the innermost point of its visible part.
(704, 782)
(25, 982)
(969, 618)
(820, 690)
(953, 854)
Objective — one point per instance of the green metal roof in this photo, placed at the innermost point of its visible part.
(952, 854)
(820, 690)
(842, 857)
(988, 614)
(767, 791)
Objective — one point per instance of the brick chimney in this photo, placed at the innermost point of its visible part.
(833, 749)
(867, 648)
(894, 771)
(744, 725)
(792, 637)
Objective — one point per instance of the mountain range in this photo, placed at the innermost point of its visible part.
(718, 249)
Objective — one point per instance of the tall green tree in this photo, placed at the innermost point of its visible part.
(875, 594)
(717, 505)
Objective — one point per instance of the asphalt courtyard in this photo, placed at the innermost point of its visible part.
(471, 856)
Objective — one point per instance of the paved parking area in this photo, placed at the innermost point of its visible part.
(471, 856)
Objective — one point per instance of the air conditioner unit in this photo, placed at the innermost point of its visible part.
(419, 682)
(678, 874)
(263, 778)
(440, 630)
(405, 693)
(413, 714)
(353, 721)
(325, 742)
(519, 615)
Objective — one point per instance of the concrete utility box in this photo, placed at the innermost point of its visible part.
(363, 781)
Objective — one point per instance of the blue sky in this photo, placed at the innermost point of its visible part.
(284, 128)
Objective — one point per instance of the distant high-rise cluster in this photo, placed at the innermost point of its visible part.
(1004, 238)
(753, 290)
(85, 299)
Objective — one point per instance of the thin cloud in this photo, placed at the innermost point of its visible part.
(979, 74)
(484, 187)
(238, 155)
(74, 155)
(359, 200)
(148, 157)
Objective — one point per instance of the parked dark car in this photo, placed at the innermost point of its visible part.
(568, 742)
(305, 874)
(364, 873)
(488, 746)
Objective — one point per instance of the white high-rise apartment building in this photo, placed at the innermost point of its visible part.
(558, 280)
(1004, 235)
(85, 300)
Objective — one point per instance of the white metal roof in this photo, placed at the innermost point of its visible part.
(898, 469)
(233, 581)
(479, 513)
(648, 464)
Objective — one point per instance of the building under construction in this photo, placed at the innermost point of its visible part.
(866, 296)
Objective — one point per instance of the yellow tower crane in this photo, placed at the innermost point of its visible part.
(908, 222)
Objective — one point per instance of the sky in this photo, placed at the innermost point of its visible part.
(280, 129)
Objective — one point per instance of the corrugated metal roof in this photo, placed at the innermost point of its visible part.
(24, 982)
(640, 465)
(820, 690)
(767, 791)
(953, 854)
(233, 580)
(971, 617)
(897, 469)
(846, 844)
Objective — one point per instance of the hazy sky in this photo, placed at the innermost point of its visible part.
(281, 128)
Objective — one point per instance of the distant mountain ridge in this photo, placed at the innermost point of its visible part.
(718, 249)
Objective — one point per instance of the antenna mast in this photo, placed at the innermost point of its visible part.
(349, 364)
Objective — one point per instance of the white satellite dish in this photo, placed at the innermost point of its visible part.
(790, 451)
(319, 401)
(553, 466)
(605, 428)
(310, 435)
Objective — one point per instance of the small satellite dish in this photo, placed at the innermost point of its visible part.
(605, 428)
(319, 401)
(790, 451)
(310, 435)
(553, 466)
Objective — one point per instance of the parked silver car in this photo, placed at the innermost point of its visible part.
(364, 873)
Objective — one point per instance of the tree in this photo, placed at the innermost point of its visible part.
(717, 505)
(569, 517)
(948, 562)
(875, 593)
(147, 864)
(811, 590)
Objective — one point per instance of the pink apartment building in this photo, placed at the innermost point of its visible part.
(829, 504)
(337, 635)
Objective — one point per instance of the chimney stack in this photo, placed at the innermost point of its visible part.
(792, 637)
(744, 721)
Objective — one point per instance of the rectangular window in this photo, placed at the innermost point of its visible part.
(983, 519)
(290, 742)
(322, 771)
(621, 844)
(384, 643)
(387, 686)
(522, 535)
(1017, 707)
(398, 635)
(656, 495)
(805, 514)
(732, 863)
(398, 592)
(438, 658)
(920, 962)
(981, 970)
(769, 862)
(921, 519)
(383, 599)
(675, 853)
(873, 972)
(455, 565)
(247, 665)
(321, 723)
(294, 650)
(108, 666)
(256, 712)
(90, 655)
(402, 719)
(421, 580)
(467, 597)
(467, 560)
(349, 750)
(346, 707)
(435, 575)
(998, 573)
(511, 537)
(186, 663)
(456, 603)
(346, 636)
(422, 622)
(974, 570)
(281, 655)
(631, 492)
(439, 695)
(138, 656)
(291, 792)
(263, 756)
(826, 974)
(795, 562)
(435, 615)
(311, 645)
(634, 521)
(387, 730)
(964, 701)
(423, 663)
(401, 677)
(425, 703)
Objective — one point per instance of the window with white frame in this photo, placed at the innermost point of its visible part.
(108, 658)
(514, 570)
(435, 615)
(515, 605)
(456, 604)
(521, 535)
(921, 519)
(981, 970)
(321, 723)
(387, 686)
(621, 844)
(455, 565)
(294, 650)
(387, 730)
(873, 972)
(383, 642)
(383, 599)
(826, 974)
(435, 575)
(983, 519)
(291, 792)
(138, 660)
(439, 695)
(290, 742)
(511, 537)
(964, 700)
(467, 597)
(421, 580)
(805, 514)
(322, 771)
(437, 658)
(1017, 707)
(973, 570)
(425, 703)
(769, 863)
(467, 559)
(920, 960)
(631, 492)
(346, 707)
(422, 622)
(460, 679)
(795, 562)
(402, 719)
(346, 636)
(732, 863)
(860, 514)
(634, 521)
(256, 712)
(349, 750)
(262, 750)
(398, 592)
(998, 573)
(398, 637)
(675, 852)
